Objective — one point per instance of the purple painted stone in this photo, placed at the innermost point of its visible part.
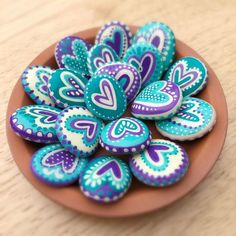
(116, 35)
(159, 100)
(163, 163)
(127, 75)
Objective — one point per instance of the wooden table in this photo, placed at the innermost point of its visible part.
(28, 27)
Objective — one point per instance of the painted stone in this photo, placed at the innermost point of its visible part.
(66, 88)
(105, 97)
(161, 37)
(78, 131)
(116, 35)
(55, 166)
(125, 135)
(71, 52)
(147, 60)
(105, 179)
(159, 100)
(194, 119)
(34, 80)
(127, 75)
(36, 123)
(99, 55)
(189, 73)
(162, 164)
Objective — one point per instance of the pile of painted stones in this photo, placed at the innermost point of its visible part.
(80, 106)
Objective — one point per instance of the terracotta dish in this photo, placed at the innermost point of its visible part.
(140, 198)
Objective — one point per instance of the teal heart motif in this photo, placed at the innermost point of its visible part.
(124, 126)
(79, 61)
(187, 112)
(184, 77)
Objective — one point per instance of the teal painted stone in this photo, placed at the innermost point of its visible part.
(189, 73)
(159, 100)
(55, 166)
(105, 97)
(162, 164)
(34, 80)
(161, 37)
(36, 123)
(105, 179)
(78, 130)
(116, 35)
(66, 88)
(147, 60)
(194, 119)
(99, 55)
(125, 135)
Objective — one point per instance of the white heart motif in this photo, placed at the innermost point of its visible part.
(106, 99)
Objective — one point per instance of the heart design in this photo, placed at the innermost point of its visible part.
(124, 126)
(125, 78)
(44, 116)
(73, 89)
(155, 152)
(60, 157)
(106, 57)
(113, 168)
(157, 39)
(189, 115)
(187, 112)
(183, 76)
(116, 41)
(87, 126)
(43, 77)
(78, 60)
(107, 98)
(145, 65)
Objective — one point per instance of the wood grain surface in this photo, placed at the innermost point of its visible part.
(28, 27)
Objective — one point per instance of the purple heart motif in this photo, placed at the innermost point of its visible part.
(154, 151)
(125, 81)
(43, 77)
(45, 116)
(76, 90)
(146, 65)
(62, 158)
(106, 57)
(74, 87)
(115, 41)
(113, 166)
(184, 77)
(157, 38)
(90, 127)
(106, 99)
